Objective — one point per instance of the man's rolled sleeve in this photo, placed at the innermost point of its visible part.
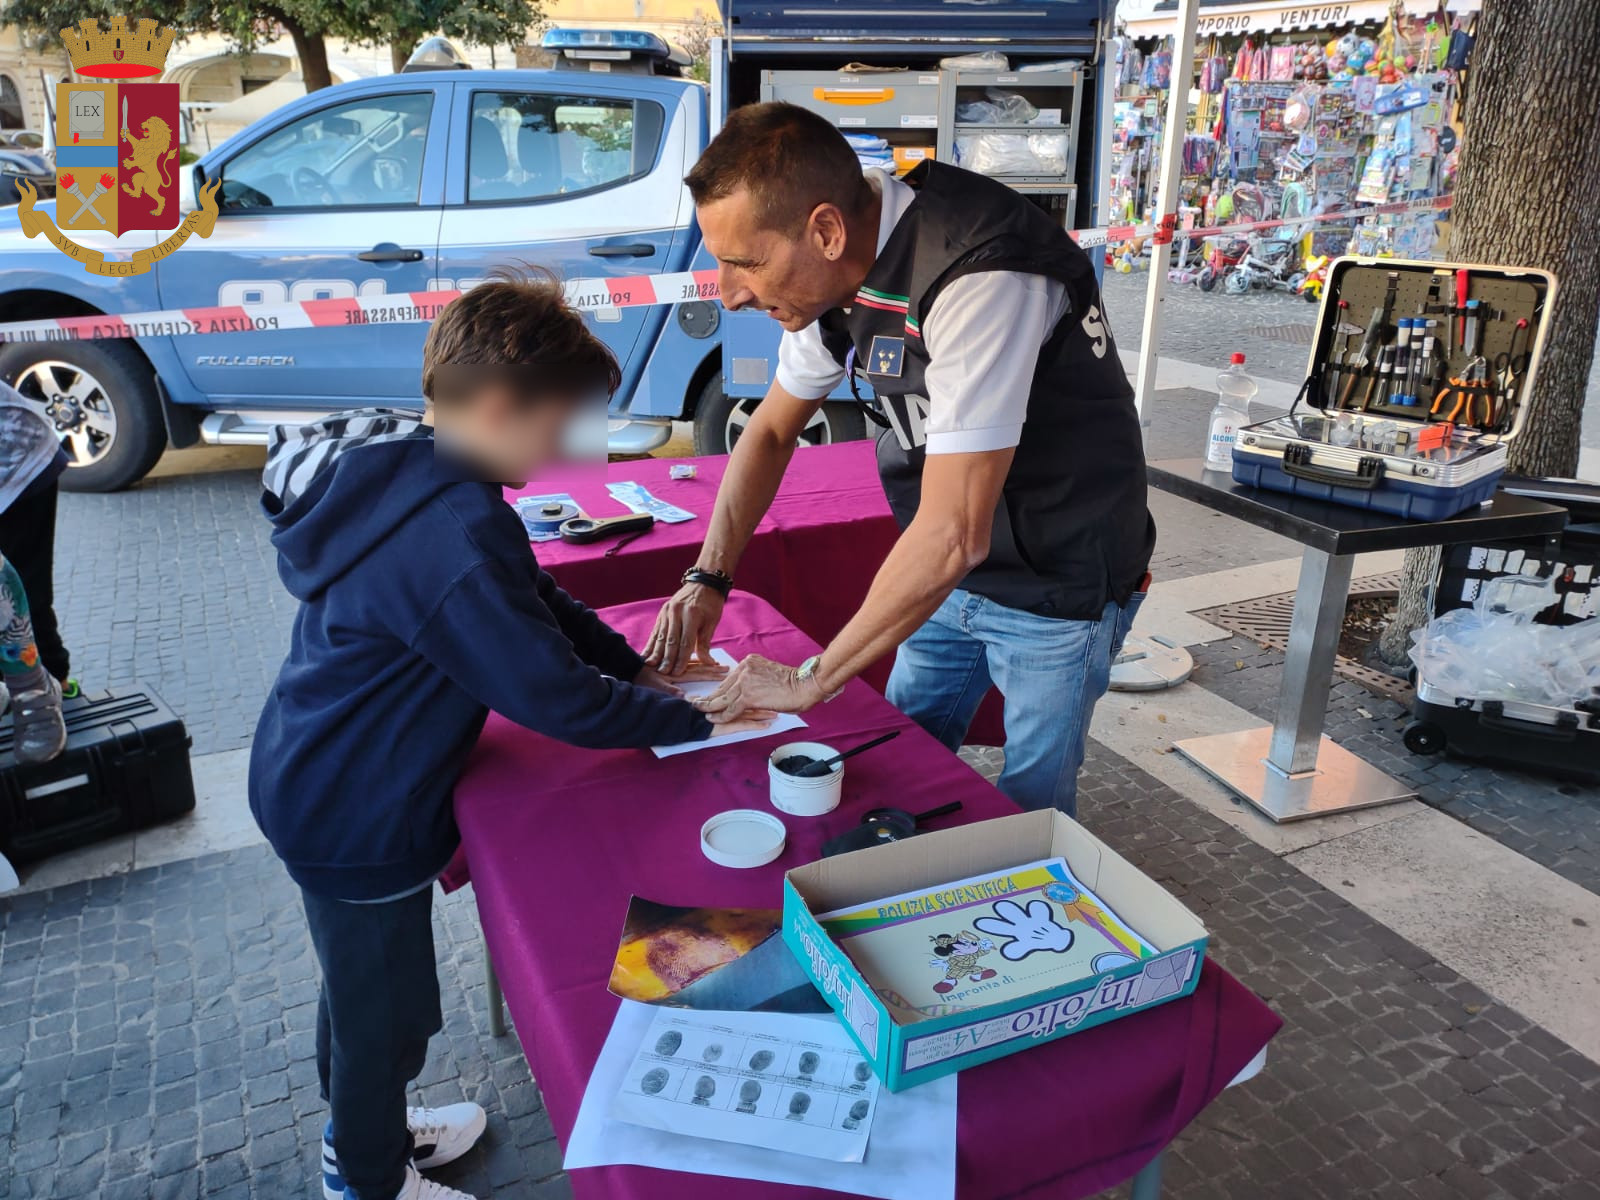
(983, 336)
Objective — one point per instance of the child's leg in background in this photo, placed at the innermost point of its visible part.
(19, 653)
(379, 1006)
(35, 696)
(27, 542)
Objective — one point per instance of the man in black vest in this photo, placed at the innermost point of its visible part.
(1011, 458)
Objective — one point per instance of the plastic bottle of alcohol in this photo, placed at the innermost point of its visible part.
(1235, 389)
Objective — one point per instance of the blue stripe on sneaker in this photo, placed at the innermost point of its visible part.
(332, 1180)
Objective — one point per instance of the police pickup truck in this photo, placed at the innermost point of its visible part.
(428, 180)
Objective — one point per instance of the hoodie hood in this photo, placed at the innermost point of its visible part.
(337, 488)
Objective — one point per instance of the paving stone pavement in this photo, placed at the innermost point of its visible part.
(174, 584)
(156, 1040)
(1554, 822)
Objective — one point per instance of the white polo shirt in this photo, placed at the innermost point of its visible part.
(983, 337)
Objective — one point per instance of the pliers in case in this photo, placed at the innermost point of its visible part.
(1467, 390)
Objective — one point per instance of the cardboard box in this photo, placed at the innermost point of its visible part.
(905, 1055)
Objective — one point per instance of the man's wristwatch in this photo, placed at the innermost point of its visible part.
(718, 581)
(807, 673)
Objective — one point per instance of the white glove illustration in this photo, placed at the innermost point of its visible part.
(1033, 930)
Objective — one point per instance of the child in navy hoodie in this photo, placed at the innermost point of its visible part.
(421, 608)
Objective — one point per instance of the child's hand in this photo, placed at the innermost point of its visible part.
(749, 721)
(653, 679)
(698, 670)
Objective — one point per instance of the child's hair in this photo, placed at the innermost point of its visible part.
(516, 327)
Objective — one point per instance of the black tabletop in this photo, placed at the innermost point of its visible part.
(1341, 530)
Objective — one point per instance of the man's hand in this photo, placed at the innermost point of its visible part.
(683, 629)
(760, 683)
(695, 672)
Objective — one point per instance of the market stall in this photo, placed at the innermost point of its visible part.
(1293, 111)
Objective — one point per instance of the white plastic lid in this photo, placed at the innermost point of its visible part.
(742, 837)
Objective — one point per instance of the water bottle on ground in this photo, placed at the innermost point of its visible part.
(1234, 391)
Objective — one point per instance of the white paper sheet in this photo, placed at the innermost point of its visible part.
(911, 1154)
(782, 723)
(762, 1079)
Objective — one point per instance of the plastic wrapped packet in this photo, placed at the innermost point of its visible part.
(1000, 108)
(1501, 649)
(988, 60)
(1013, 153)
(1060, 64)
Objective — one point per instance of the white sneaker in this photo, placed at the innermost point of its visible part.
(418, 1188)
(439, 1136)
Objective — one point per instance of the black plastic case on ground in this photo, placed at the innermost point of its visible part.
(126, 766)
(1550, 741)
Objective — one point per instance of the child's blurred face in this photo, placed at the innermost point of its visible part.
(513, 438)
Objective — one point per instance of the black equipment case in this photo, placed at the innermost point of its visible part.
(1544, 739)
(126, 766)
(1417, 382)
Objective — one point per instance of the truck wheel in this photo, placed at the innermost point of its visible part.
(101, 398)
(719, 420)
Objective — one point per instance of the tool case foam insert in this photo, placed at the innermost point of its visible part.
(1399, 415)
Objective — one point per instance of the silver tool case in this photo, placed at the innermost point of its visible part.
(1379, 389)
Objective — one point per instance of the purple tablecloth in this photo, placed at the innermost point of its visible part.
(559, 838)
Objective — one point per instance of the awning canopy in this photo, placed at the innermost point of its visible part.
(1274, 16)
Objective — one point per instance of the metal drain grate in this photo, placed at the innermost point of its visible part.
(1266, 620)
(1299, 334)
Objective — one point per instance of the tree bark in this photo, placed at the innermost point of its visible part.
(312, 51)
(1528, 194)
(400, 52)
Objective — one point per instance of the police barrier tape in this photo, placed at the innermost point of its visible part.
(626, 291)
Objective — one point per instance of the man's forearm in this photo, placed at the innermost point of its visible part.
(755, 469)
(922, 569)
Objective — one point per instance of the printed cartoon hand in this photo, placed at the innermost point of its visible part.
(1033, 930)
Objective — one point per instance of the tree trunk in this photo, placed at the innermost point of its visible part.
(400, 52)
(312, 51)
(1527, 195)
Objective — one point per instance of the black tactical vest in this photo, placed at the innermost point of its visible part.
(1071, 531)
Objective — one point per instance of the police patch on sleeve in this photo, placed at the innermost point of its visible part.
(886, 356)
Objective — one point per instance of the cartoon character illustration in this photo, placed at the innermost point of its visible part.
(858, 1114)
(148, 155)
(1026, 931)
(704, 1088)
(1075, 906)
(749, 1093)
(958, 954)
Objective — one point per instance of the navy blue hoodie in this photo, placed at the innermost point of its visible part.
(421, 608)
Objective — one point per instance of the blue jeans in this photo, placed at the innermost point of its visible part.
(1050, 671)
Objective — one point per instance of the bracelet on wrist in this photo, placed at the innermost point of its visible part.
(718, 581)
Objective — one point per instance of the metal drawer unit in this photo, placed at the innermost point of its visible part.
(1052, 92)
(876, 101)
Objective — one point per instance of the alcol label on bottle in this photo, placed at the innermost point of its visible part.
(1234, 391)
